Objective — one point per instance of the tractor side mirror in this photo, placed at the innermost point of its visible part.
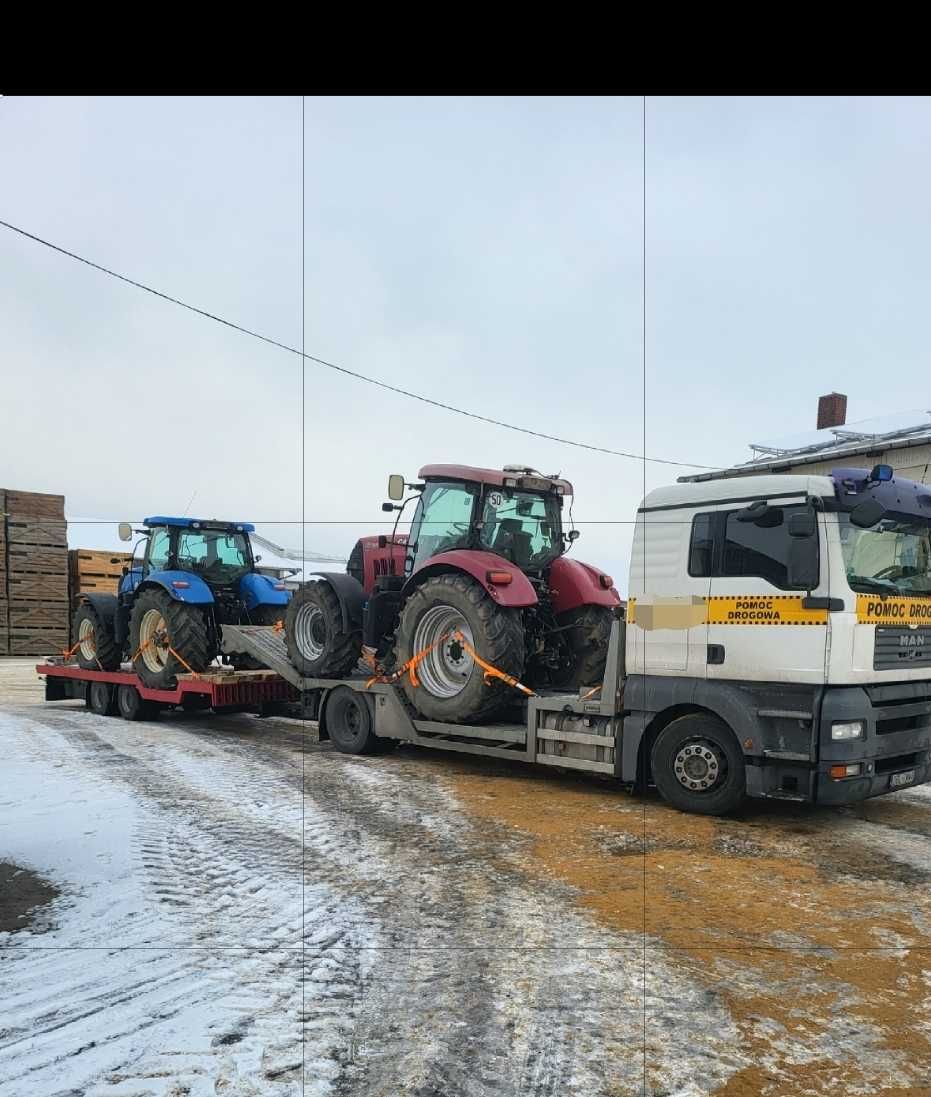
(867, 514)
(573, 535)
(125, 531)
(396, 487)
(257, 558)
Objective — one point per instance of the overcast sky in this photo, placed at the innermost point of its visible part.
(486, 252)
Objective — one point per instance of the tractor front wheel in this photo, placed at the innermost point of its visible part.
(97, 647)
(588, 630)
(441, 620)
(161, 630)
(319, 643)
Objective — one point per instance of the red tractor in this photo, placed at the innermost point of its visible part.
(484, 573)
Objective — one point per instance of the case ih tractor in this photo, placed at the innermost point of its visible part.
(194, 577)
(484, 567)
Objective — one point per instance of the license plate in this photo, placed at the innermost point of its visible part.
(897, 780)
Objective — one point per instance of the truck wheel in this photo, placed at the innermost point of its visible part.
(100, 698)
(97, 648)
(261, 615)
(452, 685)
(158, 623)
(319, 645)
(588, 631)
(348, 720)
(131, 706)
(698, 765)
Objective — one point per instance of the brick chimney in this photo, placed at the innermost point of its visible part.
(832, 410)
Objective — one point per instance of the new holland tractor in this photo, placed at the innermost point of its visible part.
(482, 580)
(194, 576)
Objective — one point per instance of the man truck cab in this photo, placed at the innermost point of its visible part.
(779, 637)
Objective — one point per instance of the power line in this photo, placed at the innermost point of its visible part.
(342, 369)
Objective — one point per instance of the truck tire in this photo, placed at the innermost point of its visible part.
(588, 631)
(261, 615)
(698, 765)
(319, 644)
(348, 721)
(131, 706)
(159, 622)
(452, 684)
(98, 648)
(100, 698)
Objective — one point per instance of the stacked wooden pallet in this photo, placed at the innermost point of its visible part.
(93, 571)
(34, 608)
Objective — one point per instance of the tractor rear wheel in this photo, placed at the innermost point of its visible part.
(158, 628)
(319, 644)
(98, 649)
(588, 630)
(452, 684)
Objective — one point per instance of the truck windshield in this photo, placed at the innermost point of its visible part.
(894, 555)
(216, 554)
(521, 526)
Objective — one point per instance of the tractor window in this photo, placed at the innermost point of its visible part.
(159, 548)
(216, 554)
(521, 526)
(443, 520)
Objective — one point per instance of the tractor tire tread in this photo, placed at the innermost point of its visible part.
(187, 630)
(342, 654)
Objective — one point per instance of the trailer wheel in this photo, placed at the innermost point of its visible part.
(452, 685)
(698, 765)
(131, 705)
(588, 631)
(100, 698)
(97, 648)
(348, 720)
(319, 644)
(158, 624)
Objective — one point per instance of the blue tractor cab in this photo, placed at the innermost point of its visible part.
(188, 578)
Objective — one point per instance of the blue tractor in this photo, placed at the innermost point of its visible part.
(194, 577)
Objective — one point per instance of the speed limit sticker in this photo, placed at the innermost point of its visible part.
(495, 499)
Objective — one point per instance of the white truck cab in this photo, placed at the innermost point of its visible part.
(779, 636)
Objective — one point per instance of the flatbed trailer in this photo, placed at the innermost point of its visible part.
(123, 692)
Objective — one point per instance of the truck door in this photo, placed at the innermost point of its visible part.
(758, 626)
(670, 571)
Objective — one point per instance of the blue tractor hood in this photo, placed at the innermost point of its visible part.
(901, 496)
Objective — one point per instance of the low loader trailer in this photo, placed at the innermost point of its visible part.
(776, 644)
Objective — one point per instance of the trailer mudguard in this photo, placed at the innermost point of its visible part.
(518, 593)
(259, 590)
(575, 584)
(193, 590)
(350, 593)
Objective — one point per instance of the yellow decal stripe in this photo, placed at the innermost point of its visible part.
(874, 610)
(725, 609)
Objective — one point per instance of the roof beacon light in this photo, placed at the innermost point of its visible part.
(881, 474)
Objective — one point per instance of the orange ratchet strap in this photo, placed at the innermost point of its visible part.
(409, 666)
(490, 671)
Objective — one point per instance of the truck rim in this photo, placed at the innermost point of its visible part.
(87, 638)
(310, 632)
(699, 765)
(446, 669)
(153, 640)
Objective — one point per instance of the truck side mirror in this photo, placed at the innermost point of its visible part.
(802, 524)
(867, 514)
(802, 563)
(125, 531)
(396, 487)
(761, 514)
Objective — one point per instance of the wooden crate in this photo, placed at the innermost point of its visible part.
(39, 532)
(31, 586)
(95, 570)
(38, 615)
(37, 641)
(32, 504)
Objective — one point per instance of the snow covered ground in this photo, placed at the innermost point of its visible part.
(242, 912)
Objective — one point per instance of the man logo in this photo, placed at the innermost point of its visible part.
(911, 641)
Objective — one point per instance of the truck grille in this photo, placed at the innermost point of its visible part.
(902, 648)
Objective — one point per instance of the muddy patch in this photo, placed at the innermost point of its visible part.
(23, 898)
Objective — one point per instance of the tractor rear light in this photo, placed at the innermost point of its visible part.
(498, 578)
(606, 581)
(180, 584)
(852, 770)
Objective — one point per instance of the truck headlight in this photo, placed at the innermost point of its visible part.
(853, 729)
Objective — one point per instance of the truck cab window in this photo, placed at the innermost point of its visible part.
(701, 547)
(761, 551)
